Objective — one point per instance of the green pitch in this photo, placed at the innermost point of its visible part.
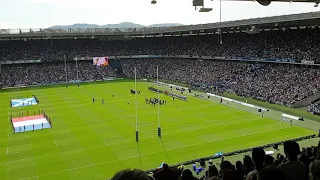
(93, 141)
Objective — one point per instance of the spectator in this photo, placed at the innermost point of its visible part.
(294, 169)
(305, 160)
(239, 169)
(212, 172)
(187, 175)
(226, 172)
(167, 173)
(315, 170)
(247, 164)
(258, 156)
(128, 174)
(318, 152)
(269, 160)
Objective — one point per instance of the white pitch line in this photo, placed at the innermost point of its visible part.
(55, 142)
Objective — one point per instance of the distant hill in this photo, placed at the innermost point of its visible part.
(120, 25)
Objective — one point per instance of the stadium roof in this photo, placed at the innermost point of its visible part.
(255, 25)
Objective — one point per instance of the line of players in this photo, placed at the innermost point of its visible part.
(154, 101)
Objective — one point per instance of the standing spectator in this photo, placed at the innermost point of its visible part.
(212, 172)
(239, 169)
(226, 172)
(294, 169)
(247, 165)
(258, 156)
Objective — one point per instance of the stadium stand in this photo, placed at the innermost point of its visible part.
(50, 73)
(275, 83)
(290, 44)
(314, 108)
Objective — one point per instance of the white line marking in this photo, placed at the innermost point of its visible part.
(55, 142)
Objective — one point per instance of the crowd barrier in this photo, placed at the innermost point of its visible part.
(235, 152)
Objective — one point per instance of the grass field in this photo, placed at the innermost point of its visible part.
(93, 141)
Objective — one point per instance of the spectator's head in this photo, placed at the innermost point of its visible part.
(128, 174)
(258, 156)
(165, 166)
(268, 160)
(292, 150)
(226, 166)
(271, 173)
(239, 165)
(213, 171)
(187, 175)
(314, 170)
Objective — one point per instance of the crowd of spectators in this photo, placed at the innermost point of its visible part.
(272, 82)
(314, 108)
(290, 44)
(48, 73)
(294, 165)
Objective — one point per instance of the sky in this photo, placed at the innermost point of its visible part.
(45, 13)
